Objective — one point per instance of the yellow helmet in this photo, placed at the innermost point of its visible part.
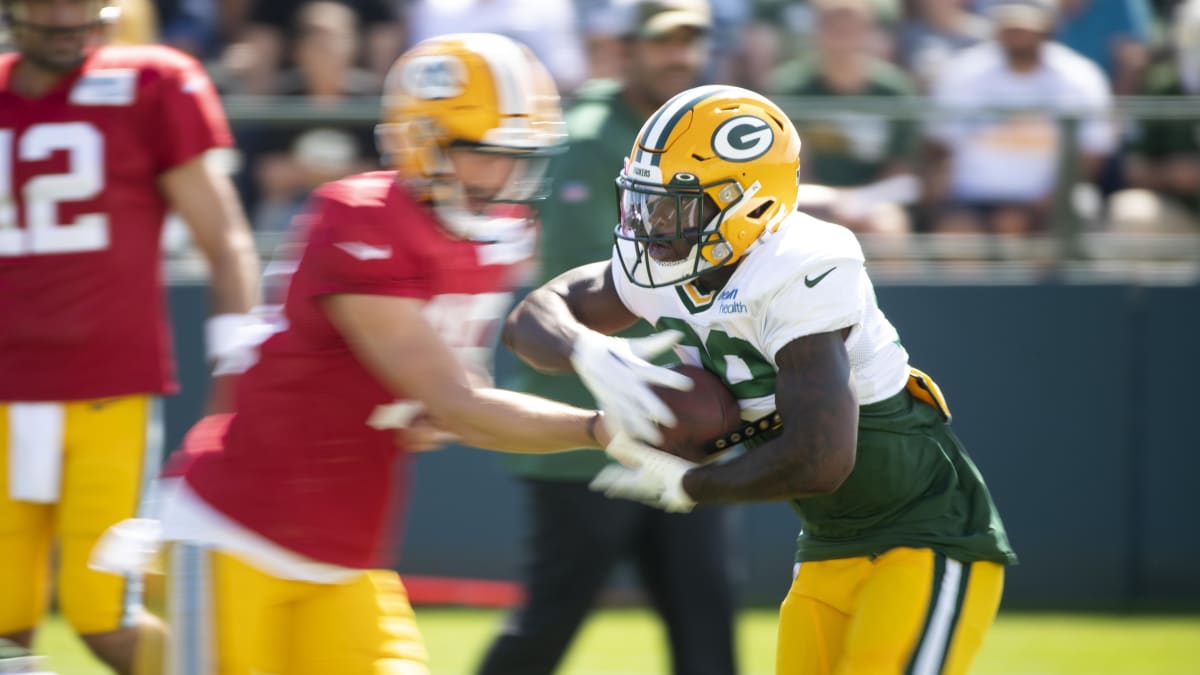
(478, 91)
(717, 166)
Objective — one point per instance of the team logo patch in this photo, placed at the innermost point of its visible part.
(742, 138)
(115, 87)
(436, 76)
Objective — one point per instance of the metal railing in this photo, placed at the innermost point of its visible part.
(1072, 249)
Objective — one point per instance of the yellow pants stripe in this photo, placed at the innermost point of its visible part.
(905, 612)
(949, 582)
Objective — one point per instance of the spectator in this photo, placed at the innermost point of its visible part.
(1115, 34)
(759, 49)
(579, 536)
(191, 25)
(851, 149)
(601, 23)
(548, 27)
(291, 161)
(1163, 165)
(256, 58)
(933, 31)
(995, 152)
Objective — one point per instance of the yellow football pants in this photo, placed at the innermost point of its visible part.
(230, 618)
(111, 449)
(906, 612)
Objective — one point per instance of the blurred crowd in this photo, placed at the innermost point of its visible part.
(987, 150)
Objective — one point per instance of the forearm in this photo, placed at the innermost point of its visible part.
(234, 273)
(206, 199)
(816, 450)
(542, 331)
(498, 419)
(543, 328)
(773, 471)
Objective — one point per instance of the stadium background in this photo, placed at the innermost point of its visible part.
(1069, 358)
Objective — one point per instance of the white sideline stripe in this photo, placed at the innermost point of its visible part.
(152, 451)
(189, 642)
(933, 647)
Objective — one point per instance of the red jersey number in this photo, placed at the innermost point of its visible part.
(84, 180)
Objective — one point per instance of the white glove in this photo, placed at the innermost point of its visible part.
(130, 546)
(619, 375)
(232, 341)
(646, 474)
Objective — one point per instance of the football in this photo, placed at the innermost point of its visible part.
(702, 414)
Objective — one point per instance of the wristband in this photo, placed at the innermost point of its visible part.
(591, 426)
(224, 333)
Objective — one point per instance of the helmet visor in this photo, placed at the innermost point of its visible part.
(652, 214)
(663, 230)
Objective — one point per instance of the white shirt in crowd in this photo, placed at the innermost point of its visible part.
(1014, 156)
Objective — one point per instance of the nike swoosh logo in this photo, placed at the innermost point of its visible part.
(813, 282)
(364, 251)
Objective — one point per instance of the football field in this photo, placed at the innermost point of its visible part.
(629, 642)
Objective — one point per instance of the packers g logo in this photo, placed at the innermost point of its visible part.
(434, 77)
(742, 138)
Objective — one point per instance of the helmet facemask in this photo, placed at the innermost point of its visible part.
(655, 219)
(527, 183)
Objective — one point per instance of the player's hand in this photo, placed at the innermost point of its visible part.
(619, 374)
(232, 341)
(645, 474)
(423, 435)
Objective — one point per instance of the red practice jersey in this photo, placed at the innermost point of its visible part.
(306, 461)
(82, 312)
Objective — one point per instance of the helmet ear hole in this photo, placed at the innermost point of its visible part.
(761, 209)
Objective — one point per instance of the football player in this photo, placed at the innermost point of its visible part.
(902, 553)
(97, 143)
(280, 522)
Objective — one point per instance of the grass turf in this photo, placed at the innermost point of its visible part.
(630, 642)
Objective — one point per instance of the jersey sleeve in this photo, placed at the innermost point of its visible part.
(826, 296)
(353, 253)
(189, 117)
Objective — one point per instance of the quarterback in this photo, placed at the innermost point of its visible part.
(281, 520)
(97, 143)
(901, 557)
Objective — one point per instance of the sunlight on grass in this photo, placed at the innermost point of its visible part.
(631, 642)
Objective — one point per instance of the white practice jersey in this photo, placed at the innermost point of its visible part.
(806, 278)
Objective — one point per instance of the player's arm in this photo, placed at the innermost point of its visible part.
(206, 200)
(564, 325)
(391, 337)
(816, 451)
(205, 197)
(543, 327)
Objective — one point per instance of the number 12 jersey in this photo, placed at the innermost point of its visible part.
(82, 312)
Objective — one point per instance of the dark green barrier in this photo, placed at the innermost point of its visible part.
(1077, 402)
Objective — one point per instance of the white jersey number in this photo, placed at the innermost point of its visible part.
(43, 234)
(467, 323)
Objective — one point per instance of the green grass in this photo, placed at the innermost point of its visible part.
(630, 642)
